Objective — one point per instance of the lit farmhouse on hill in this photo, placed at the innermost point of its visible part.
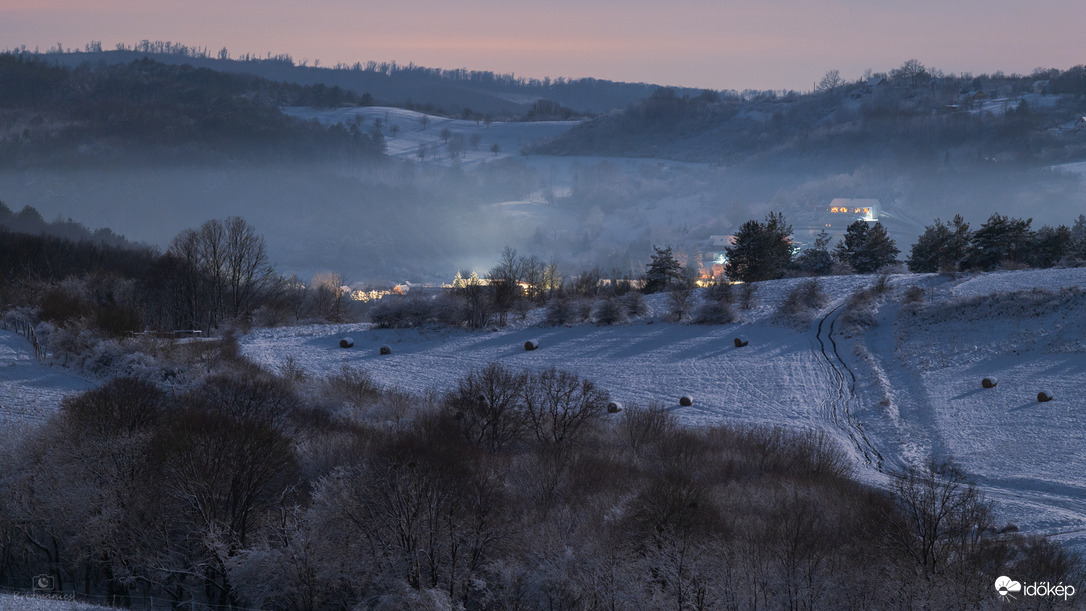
(834, 219)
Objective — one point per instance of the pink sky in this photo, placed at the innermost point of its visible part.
(718, 44)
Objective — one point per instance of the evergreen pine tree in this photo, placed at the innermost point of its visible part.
(867, 248)
(1000, 239)
(663, 271)
(942, 246)
(1051, 245)
(816, 260)
(761, 251)
(1078, 237)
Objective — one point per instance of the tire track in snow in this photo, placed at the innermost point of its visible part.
(838, 403)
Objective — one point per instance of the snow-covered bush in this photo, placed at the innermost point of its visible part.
(634, 302)
(610, 311)
(803, 302)
(715, 312)
(563, 310)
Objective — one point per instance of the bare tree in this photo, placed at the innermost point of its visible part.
(505, 280)
(830, 82)
(249, 276)
(455, 144)
(558, 404)
(487, 405)
(944, 516)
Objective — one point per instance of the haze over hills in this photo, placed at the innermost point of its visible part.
(153, 146)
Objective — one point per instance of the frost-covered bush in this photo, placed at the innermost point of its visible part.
(610, 311)
(563, 310)
(721, 290)
(641, 425)
(748, 296)
(405, 312)
(680, 301)
(350, 385)
(634, 302)
(913, 294)
(715, 312)
(803, 302)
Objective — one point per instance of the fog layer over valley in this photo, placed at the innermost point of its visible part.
(388, 194)
(219, 416)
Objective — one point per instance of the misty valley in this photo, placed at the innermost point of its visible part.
(374, 336)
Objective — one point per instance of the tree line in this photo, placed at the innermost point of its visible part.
(764, 250)
(911, 112)
(217, 275)
(172, 111)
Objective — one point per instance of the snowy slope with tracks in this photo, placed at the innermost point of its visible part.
(894, 391)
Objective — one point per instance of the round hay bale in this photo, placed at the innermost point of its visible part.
(346, 342)
(741, 341)
(385, 350)
(989, 382)
(1044, 396)
(686, 400)
(614, 407)
(532, 344)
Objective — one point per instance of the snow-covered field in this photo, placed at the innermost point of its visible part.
(29, 390)
(892, 393)
(408, 131)
(11, 602)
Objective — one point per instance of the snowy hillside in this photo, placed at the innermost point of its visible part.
(407, 132)
(29, 390)
(903, 385)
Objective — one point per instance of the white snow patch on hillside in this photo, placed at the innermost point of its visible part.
(406, 131)
(29, 390)
(20, 602)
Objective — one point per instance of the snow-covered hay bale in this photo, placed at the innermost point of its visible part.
(346, 342)
(686, 400)
(989, 382)
(532, 344)
(385, 350)
(741, 340)
(614, 407)
(1044, 396)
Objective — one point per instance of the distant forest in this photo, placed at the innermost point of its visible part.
(447, 92)
(93, 115)
(911, 114)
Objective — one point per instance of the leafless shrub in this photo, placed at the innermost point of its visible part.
(748, 296)
(680, 301)
(720, 290)
(644, 425)
(715, 312)
(634, 303)
(800, 305)
(610, 311)
(351, 385)
(563, 310)
(913, 294)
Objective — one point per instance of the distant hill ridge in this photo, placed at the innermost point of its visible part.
(447, 91)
